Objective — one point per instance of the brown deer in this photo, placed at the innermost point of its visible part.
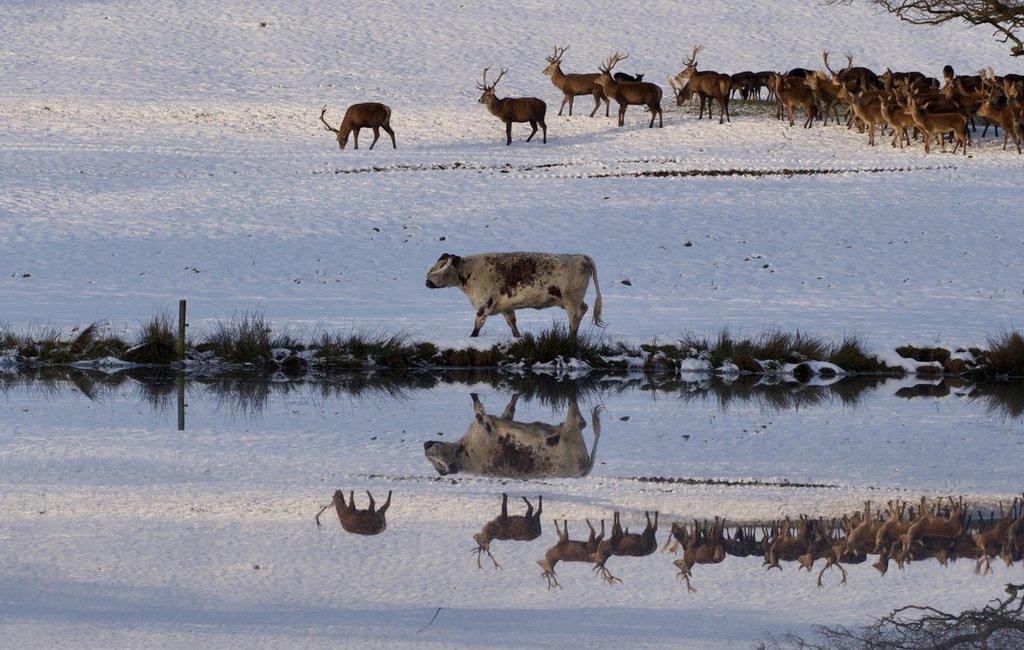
(999, 112)
(625, 544)
(939, 124)
(931, 527)
(840, 553)
(708, 86)
(898, 118)
(626, 93)
(510, 110)
(370, 115)
(794, 92)
(704, 546)
(855, 79)
(520, 528)
(361, 522)
(787, 546)
(569, 550)
(575, 84)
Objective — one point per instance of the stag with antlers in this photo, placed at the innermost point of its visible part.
(638, 93)
(575, 84)
(708, 86)
(513, 109)
(369, 115)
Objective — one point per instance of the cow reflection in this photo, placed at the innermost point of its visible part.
(500, 446)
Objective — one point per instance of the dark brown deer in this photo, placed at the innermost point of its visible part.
(625, 544)
(575, 84)
(704, 546)
(510, 110)
(519, 528)
(569, 550)
(856, 79)
(708, 86)
(370, 115)
(641, 93)
(361, 522)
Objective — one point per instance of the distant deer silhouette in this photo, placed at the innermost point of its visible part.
(361, 522)
(520, 528)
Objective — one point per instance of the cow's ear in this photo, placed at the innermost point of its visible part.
(444, 256)
(456, 261)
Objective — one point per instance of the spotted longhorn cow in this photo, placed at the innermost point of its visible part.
(501, 283)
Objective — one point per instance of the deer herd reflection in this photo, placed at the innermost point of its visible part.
(942, 530)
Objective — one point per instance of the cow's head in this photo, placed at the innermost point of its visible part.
(446, 457)
(444, 272)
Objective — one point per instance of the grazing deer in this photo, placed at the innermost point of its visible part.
(939, 124)
(791, 93)
(520, 528)
(574, 85)
(361, 522)
(370, 115)
(627, 94)
(703, 546)
(509, 110)
(625, 544)
(569, 550)
(708, 86)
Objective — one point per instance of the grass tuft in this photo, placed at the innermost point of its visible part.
(243, 339)
(156, 342)
(1004, 356)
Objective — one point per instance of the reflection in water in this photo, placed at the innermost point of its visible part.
(518, 528)
(250, 393)
(501, 446)
(360, 522)
(625, 544)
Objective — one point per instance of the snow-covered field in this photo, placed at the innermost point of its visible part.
(156, 150)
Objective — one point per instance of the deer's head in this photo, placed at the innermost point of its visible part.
(487, 90)
(555, 60)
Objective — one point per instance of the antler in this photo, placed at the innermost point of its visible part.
(849, 61)
(824, 56)
(691, 60)
(557, 56)
(483, 86)
(328, 126)
(612, 61)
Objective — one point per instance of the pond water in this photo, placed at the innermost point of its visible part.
(113, 511)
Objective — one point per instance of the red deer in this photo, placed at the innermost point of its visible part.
(703, 546)
(569, 550)
(520, 528)
(625, 544)
(575, 84)
(641, 93)
(708, 86)
(792, 92)
(622, 76)
(361, 522)
(939, 124)
(370, 115)
(855, 79)
(999, 112)
(510, 110)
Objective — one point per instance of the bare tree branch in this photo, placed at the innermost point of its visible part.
(1006, 17)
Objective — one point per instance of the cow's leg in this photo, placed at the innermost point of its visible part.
(510, 317)
(575, 314)
(510, 411)
(478, 407)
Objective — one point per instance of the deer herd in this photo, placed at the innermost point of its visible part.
(942, 530)
(904, 105)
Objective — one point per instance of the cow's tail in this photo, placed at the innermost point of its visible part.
(597, 290)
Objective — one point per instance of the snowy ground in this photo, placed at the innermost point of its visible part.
(156, 150)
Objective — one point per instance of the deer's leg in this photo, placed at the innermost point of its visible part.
(504, 505)
(387, 504)
(508, 133)
(387, 129)
(376, 136)
(607, 107)
(540, 505)
(565, 100)
(543, 132)
(533, 132)
(529, 508)
(597, 104)
(355, 137)
(510, 316)
(622, 114)
(372, 503)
